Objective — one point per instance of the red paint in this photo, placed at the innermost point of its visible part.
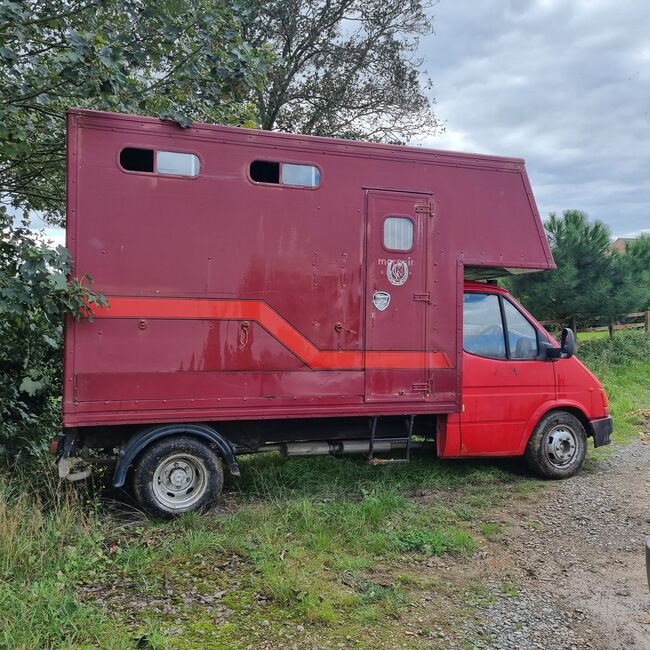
(231, 299)
(274, 324)
(504, 399)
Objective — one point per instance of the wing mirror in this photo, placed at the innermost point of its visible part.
(567, 346)
(568, 343)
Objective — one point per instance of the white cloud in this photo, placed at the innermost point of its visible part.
(563, 84)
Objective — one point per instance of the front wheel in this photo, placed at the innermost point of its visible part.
(557, 446)
(176, 475)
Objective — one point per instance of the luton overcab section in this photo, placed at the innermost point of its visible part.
(277, 292)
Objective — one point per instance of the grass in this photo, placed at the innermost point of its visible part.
(622, 363)
(309, 552)
(592, 336)
(45, 548)
(309, 543)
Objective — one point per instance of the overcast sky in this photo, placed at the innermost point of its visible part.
(564, 84)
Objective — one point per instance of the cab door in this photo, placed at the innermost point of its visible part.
(504, 379)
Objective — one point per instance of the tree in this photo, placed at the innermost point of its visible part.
(173, 58)
(591, 282)
(344, 68)
(34, 296)
(637, 258)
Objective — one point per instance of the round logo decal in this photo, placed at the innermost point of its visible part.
(397, 272)
(381, 300)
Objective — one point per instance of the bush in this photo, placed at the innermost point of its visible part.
(626, 347)
(35, 296)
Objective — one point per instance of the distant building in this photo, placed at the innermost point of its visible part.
(621, 243)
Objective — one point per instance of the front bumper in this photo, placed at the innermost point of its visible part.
(601, 430)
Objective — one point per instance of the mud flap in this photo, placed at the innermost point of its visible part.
(601, 430)
(66, 467)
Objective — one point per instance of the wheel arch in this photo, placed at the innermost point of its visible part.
(140, 441)
(568, 407)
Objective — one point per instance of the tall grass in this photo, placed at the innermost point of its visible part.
(47, 542)
(622, 363)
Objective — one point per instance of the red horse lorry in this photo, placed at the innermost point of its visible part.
(270, 291)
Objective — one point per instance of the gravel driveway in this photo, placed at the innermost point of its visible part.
(575, 557)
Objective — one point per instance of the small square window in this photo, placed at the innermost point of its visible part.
(398, 234)
(303, 175)
(265, 171)
(179, 164)
(137, 160)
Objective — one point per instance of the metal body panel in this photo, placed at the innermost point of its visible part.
(231, 299)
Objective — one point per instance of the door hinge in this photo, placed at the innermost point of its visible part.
(423, 386)
(422, 297)
(424, 208)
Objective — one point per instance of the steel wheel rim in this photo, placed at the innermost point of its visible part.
(561, 446)
(180, 481)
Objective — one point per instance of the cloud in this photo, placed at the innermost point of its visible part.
(563, 84)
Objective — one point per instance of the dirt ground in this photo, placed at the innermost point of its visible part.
(572, 562)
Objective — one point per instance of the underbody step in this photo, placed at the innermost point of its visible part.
(375, 442)
(386, 461)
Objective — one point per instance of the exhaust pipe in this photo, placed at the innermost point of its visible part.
(343, 447)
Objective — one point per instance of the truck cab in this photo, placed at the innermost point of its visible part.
(519, 383)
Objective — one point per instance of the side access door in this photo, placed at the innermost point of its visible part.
(398, 302)
(504, 379)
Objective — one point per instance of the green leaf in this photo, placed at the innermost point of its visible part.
(30, 386)
(60, 281)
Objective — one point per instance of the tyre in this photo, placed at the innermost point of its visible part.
(557, 446)
(175, 475)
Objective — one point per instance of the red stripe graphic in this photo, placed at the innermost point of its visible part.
(276, 325)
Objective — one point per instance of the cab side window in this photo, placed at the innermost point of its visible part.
(487, 318)
(522, 337)
(483, 325)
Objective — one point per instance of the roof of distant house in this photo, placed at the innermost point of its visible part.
(620, 244)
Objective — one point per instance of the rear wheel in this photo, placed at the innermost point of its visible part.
(557, 446)
(175, 475)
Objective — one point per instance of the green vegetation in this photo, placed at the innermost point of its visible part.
(593, 284)
(47, 545)
(623, 365)
(591, 336)
(322, 556)
(306, 551)
(34, 296)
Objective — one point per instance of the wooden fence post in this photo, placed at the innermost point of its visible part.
(647, 321)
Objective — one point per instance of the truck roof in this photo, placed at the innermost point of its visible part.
(259, 137)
